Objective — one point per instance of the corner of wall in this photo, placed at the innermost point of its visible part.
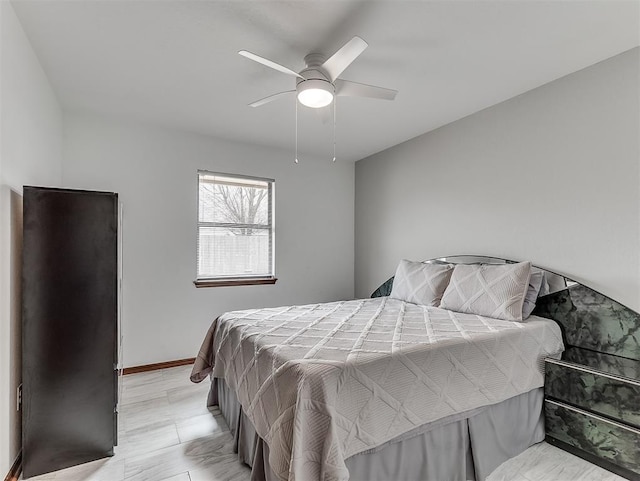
(30, 153)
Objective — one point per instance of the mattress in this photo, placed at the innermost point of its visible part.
(323, 382)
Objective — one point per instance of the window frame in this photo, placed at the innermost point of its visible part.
(238, 280)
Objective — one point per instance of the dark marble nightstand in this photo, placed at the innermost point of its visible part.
(592, 408)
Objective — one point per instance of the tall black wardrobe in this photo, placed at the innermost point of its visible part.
(69, 328)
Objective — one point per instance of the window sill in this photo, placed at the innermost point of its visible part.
(257, 281)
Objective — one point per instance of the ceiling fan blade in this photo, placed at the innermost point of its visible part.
(346, 88)
(270, 98)
(269, 63)
(340, 60)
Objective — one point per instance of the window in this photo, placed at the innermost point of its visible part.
(235, 230)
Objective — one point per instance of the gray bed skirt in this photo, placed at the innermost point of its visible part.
(463, 447)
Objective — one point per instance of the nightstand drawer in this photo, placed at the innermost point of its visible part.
(612, 396)
(600, 437)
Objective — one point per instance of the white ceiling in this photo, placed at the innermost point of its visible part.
(175, 63)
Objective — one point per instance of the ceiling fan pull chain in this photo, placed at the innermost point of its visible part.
(335, 103)
(296, 155)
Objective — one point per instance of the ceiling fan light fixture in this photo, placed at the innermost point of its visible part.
(315, 93)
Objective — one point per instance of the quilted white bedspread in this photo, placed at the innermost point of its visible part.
(323, 382)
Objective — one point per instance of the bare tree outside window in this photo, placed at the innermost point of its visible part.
(236, 204)
(235, 226)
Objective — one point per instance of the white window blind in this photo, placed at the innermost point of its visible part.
(235, 227)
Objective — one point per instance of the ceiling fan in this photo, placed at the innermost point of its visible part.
(318, 83)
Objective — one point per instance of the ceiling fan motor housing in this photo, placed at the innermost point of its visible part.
(316, 89)
(315, 74)
(313, 69)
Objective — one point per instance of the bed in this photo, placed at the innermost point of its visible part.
(379, 388)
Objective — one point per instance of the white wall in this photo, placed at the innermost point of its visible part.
(551, 175)
(30, 153)
(165, 316)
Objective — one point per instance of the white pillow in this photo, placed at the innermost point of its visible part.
(420, 283)
(488, 290)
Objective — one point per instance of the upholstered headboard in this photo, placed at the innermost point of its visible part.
(589, 319)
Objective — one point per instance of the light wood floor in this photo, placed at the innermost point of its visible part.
(168, 434)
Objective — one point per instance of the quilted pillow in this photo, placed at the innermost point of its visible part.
(420, 283)
(488, 290)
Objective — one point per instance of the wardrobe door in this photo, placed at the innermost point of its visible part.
(69, 317)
